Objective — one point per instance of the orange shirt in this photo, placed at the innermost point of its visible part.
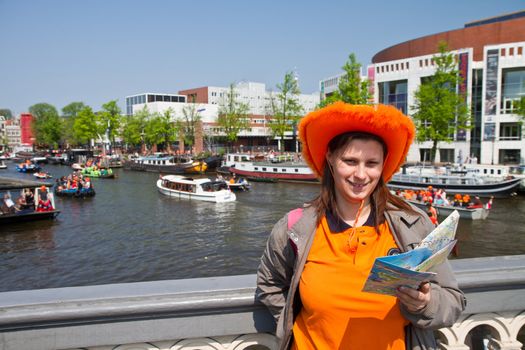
(335, 313)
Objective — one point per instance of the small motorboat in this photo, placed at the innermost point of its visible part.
(240, 184)
(42, 175)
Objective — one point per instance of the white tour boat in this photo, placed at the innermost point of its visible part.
(204, 189)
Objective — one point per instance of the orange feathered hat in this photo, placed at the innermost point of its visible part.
(319, 127)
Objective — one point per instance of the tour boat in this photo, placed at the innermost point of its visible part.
(166, 164)
(177, 186)
(27, 211)
(269, 168)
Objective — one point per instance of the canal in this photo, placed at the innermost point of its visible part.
(129, 232)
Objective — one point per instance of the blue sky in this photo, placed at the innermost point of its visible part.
(62, 51)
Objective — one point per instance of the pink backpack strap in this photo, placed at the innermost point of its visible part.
(293, 217)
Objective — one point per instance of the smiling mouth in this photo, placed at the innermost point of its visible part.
(358, 185)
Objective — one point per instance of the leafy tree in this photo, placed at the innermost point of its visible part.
(351, 88)
(69, 114)
(439, 109)
(160, 129)
(85, 126)
(188, 124)
(233, 116)
(47, 127)
(6, 112)
(72, 109)
(133, 127)
(109, 119)
(285, 109)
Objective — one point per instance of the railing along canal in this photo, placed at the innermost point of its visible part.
(220, 313)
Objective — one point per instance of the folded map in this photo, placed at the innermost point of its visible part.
(413, 267)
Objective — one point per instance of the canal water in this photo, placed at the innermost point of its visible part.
(129, 232)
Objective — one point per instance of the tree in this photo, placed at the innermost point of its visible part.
(6, 112)
(69, 114)
(188, 124)
(133, 127)
(439, 109)
(519, 108)
(47, 127)
(351, 88)
(233, 116)
(285, 110)
(109, 120)
(85, 126)
(160, 129)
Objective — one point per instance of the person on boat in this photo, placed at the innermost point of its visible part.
(8, 206)
(458, 200)
(432, 213)
(466, 200)
(87, 183)
(476, 203)
(29, 197)
(488, 205)
(317, 258)
(44, 202)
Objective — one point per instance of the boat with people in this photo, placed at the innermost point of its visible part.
(442, 177)
(167, 164)
(479, 213)
(74, 185)
(35, 201)
(270, 167)
(102, 173)
(27, 167)
(238, 183)
(204, 189)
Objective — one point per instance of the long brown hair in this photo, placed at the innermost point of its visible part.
(380, 199)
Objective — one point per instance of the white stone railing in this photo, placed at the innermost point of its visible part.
(220, 313)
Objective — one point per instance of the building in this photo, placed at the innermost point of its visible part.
(491, 60)
(207, 101)
(26, 133)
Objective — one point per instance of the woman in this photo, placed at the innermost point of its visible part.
(312, 271)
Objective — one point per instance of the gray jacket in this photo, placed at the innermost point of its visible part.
(281, 267)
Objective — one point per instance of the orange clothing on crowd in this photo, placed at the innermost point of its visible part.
(466, 199)
(357, 320)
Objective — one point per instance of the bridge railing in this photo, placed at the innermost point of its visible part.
(220, 313)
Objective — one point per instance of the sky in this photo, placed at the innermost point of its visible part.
(63, 51)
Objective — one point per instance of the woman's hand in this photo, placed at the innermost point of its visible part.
(414, 300)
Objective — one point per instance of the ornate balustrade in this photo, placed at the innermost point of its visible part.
(220, 313)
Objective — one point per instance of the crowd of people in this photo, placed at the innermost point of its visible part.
(439, 197)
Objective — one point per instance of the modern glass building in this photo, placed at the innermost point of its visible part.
(149, 98)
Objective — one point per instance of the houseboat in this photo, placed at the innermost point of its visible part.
(181, 187)
(167, 164)
(269, 168)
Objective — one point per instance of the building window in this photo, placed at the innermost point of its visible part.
(512, 87)
(394, 93)
(509, 156)
(446, 155)
(510, 131)
(151, 98)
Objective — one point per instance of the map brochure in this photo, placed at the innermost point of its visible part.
(413, 267)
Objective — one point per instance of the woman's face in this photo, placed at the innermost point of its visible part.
(357, 169)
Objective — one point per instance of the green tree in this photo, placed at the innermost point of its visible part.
(133, 127)
(233, 116)
(351, 88)
(519, 108)
(160, 130)
(439, 109)
(6, 112)
(69, 114)
(109, 120)
(284, 109)
(188, 123)
(85, 126)
(47, 127)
